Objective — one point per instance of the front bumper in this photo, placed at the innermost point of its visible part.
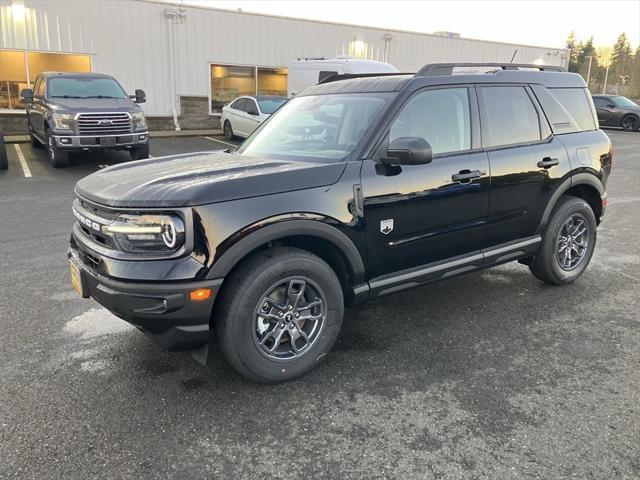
(122, 141)
(163, 311)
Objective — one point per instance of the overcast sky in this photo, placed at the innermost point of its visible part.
(541, 22)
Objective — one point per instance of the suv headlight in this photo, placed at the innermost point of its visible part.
(63, 121)
(147, 234)
(139, 120)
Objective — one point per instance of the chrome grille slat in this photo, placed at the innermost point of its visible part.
(89, 123)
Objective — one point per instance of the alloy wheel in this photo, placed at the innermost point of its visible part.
(289, 318)
(628, 124)
(572, 242)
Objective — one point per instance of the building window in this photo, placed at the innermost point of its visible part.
(272, 81)
(19, 69)
(13, 78)
(231, 81)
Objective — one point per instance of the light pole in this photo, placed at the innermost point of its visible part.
(606, 76)
(590, 57)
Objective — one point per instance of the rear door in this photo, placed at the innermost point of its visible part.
(527, 162)
(239, 121)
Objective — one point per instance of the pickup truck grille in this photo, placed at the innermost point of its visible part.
(103, 123)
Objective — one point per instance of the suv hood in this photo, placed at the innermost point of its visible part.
(74, 105)
(201, 178)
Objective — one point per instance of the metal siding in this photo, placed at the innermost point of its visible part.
(130, 40)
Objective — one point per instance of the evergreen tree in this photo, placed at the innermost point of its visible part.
(574, 51)
(621, 60)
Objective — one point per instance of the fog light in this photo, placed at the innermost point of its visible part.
(142, 137)
(66, 141)
(200, 294)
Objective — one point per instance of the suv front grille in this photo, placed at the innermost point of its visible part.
(115, 123)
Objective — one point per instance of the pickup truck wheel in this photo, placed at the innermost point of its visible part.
(630, 123)
(57, 159)
(228, 130)
(139, 153)
(567, 243)
(35, 143)
(280, 314)
(4, 157)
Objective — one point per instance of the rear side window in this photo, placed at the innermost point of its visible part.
(508, 117)
(576, 102)
(236, 104)
(325, 74)
(440, 116)
(561, 120)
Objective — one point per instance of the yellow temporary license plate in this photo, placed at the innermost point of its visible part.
(76, 279)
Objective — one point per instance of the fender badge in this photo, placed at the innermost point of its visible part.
(386, 226)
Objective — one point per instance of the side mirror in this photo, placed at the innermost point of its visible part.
(408, 151)
(26, 95)
(140, 96)
(610, 105)
(252, 112)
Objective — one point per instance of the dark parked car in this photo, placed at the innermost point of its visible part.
(356, 188)
(617, 111)
(71, 112)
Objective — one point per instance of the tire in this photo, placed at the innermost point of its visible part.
(35, 143)
(228, 130)
(140, 153)
(630, 123)
(57, 158)
(554, 261)
(4, 157)
(249, 318)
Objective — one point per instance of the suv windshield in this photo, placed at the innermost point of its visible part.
(68, 87)
(270, 105)
(327, 127)
(623, 102)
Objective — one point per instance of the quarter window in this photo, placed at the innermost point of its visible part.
(439, 116)
(508, 117)
(576, 102)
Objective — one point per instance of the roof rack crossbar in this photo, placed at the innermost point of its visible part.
(433, 69)
(346, 76)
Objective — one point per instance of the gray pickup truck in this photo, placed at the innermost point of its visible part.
(71, 112)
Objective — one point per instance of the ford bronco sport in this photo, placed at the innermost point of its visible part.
(356, 188)
(72, 112)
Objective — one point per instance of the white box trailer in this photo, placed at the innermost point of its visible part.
(306, 72)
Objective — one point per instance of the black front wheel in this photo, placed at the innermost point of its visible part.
(280, 315)
(630, 123)
(567, 243)
(4, 157)
(57, 158)
(139, 153)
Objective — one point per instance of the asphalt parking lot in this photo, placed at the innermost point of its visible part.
(489, 375)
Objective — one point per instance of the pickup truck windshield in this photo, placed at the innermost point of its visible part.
(67, 87)
(317, 128)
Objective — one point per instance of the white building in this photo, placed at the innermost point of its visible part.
(192, 60)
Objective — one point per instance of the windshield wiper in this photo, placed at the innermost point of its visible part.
(66, 96)
(100, 96)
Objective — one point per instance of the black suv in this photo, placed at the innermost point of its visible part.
(69, 112)
(356, 188)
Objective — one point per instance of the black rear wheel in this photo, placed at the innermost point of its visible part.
(567, 243)
(280, 314)
(630, 123)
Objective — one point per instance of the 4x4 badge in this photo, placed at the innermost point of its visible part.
(386, 226)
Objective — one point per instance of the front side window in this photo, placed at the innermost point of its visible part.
(317, 128)
(601, 102)
(508, 117)
(440, 116)
(79, 87)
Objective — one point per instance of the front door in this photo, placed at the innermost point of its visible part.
(605, 110)
(420, 214)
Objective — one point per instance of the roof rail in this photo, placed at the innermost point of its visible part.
(447, 68)
(346, 76)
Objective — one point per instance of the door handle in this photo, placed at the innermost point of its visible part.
(548, 162)
(465, 176)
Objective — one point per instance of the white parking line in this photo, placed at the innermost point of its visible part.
(220, 141)
(23, 161)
